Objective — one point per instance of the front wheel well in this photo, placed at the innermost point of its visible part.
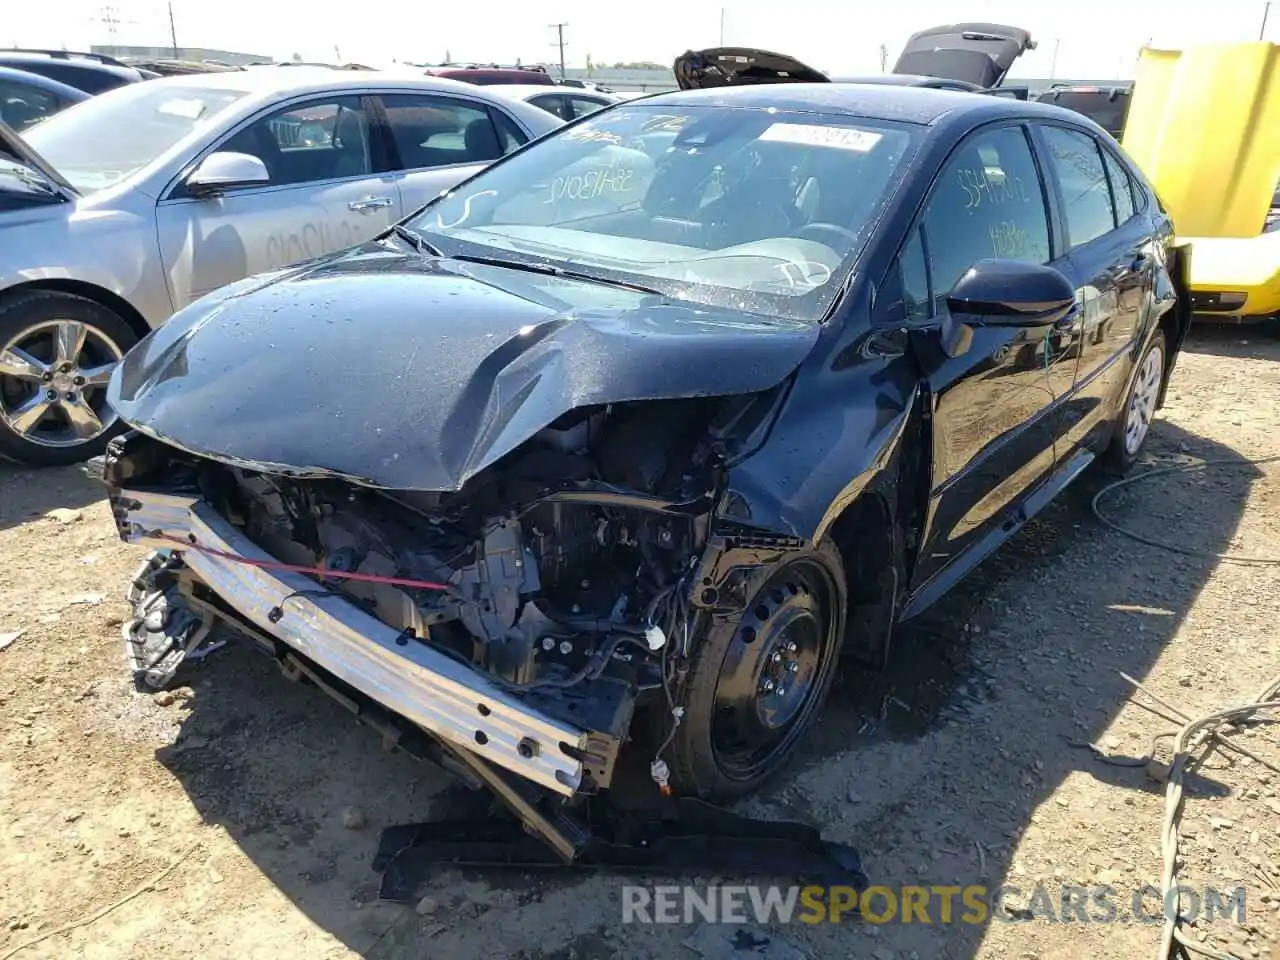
(90, 291)
(870, 550)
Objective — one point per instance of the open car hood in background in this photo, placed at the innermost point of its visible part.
(980, 53)
(736, 66)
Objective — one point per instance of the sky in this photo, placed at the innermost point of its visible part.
(1076, 39)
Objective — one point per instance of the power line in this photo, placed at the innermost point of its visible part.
(559, 29)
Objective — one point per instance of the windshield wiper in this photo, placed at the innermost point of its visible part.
(558, 272)
(29, 179)
(414, 240)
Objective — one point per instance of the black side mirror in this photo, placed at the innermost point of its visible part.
(1011, 293)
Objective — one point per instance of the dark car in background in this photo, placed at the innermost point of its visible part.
(27, 98)
(1107, 106)
(654, 418)
(91, 72)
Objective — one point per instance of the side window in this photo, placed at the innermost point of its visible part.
(554, 103)
(585, 105)
(1121, 188)
(1077, 164)
(914, 272)
(432, 131)
(305, 143)
(988, 202)
(22, 105)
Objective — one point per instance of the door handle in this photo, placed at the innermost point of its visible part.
(1137, 264)
(369, 204)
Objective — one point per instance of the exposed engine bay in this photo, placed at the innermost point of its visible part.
(564, 575)
(530, 578)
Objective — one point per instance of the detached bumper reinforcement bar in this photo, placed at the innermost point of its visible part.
(439, 694)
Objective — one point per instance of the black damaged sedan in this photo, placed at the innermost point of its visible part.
(622, 443)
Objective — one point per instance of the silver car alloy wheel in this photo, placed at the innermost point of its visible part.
(53, 378)
(1142, 400)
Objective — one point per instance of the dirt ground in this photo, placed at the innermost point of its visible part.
(959, 764)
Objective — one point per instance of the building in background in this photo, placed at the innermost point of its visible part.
(196, 54)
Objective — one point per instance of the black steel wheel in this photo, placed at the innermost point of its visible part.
(758, 681)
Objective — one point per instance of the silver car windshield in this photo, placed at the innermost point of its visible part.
(757, 209)
(102, 140)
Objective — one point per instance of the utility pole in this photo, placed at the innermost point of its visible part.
(1266, 11)
(722, 26)
(109, 20)
(559, 29)
(1053, 67)
(108, 17)
(173, 34)
(884, 58)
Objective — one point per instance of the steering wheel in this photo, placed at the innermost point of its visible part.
(823, 232)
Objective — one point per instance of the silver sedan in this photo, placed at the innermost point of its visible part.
(131, 205)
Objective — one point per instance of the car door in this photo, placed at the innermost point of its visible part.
(438, 140)
(993, 409)
(323, 194)
(1109, 262)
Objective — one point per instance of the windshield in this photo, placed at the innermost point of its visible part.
(106, 138)
(748, 208)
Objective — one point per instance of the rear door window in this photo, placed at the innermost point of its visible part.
(1076, 161)
(432, 131)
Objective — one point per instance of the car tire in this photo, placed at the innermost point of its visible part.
(788, 635)
(56, 353)
(1133, 422)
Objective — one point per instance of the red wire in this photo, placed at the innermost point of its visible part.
(299, 568)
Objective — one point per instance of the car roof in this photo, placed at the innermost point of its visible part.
(270, 82)
(55, 87)
(908, 104)
(911, 80)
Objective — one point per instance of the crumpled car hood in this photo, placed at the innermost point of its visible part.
(411, 373)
